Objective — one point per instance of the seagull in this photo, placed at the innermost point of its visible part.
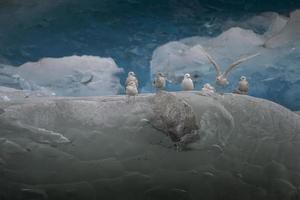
(208, 88)
(131, 90)
(131, 77)
(243, 86)
(160, 81)
(187, 83)
(221, 78)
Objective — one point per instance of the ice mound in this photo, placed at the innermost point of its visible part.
(234, 36)
(68, 76)
(244, 144)
(274, 74)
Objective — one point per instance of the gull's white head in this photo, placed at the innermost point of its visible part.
(131, 74)
(187, 75)
(243, 78)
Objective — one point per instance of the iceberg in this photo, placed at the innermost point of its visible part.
(68, 76)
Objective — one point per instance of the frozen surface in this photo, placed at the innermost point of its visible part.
(231, 146)
(67, 76)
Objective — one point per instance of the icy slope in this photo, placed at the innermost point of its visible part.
(106, 148)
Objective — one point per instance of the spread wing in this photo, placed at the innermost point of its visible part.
(236, 63)
(214, 63)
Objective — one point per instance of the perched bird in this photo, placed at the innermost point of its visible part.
(160, 81)
(187, 82)
(221, 78)
(243, 86)
(208, 88)
(131, 90)
(131, 77)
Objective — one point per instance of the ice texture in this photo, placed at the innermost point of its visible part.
(288, 34)
(273, 75)
(246, 148)
(67, 76)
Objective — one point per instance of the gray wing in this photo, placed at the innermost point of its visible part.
(236, 63)
(214, 63)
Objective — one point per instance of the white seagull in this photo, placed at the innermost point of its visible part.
(243, 86)
(160, 81)
(221, 78)
(131, 90)
(131, 77)
(187, 83)
(208, 88)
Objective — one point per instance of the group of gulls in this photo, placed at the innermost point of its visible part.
(187, 84)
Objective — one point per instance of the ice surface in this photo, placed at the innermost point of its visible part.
(244, 144)
(68, 76)
(288, 34)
